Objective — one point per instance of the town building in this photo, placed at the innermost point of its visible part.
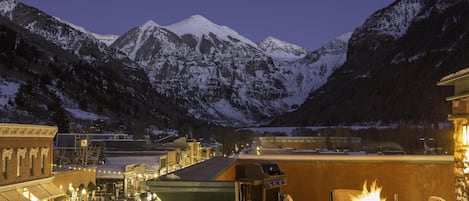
(76, 182)
(121, 180)
(124, 164)
(26, 158)
(460, 119)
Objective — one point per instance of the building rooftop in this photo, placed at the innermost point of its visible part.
(207, 170)
(27, 130)
(152, 162)
(450, 79)
(353, 158)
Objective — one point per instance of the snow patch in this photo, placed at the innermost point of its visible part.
(167, 131)
(149, 24)
(400, 59)
(281, 50)
(152, 162)
(345, 37)
(226, 108)
(80, 114)
(6, 7)
(107, 39)
(8, 91)
(172, 176)
(290, 130)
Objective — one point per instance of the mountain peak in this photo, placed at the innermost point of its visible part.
(270, 38)
(195, 24)
(198, 18)
(149, 24)
(199, 26)
(280, 49)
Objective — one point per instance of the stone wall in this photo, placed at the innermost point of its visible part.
(460, 162)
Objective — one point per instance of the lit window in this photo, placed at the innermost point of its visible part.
(465, 135)
(31, 166)
(4, 167)
(32, 156)
(6, 156)
(43, 164)
(19, 161)
(44, 152)
(19, 166)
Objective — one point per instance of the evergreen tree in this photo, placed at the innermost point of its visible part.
(24, 95)
(58, 115)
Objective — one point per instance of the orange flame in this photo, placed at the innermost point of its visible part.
(372, 195)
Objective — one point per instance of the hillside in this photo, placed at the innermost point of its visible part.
(42, 83)
(393, 63)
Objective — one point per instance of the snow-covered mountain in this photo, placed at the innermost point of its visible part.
(214, 73)
(393, 62)
(64, 34)
(42, 83)
(282, 50)
(312, 71)
(147, 42)
(201, 28)
(221, 76)
(392, 22)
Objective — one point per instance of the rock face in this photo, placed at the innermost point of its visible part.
(221, 77)
(393, 62)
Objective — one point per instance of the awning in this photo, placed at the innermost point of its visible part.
(12, 195)
(45, 191)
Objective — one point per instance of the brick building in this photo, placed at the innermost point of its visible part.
(71, 179)
(26, 158)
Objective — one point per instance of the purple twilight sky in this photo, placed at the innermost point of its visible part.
(308, 23)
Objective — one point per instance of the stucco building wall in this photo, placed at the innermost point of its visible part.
(411, 177)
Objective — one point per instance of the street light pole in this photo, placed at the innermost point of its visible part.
(84, 145)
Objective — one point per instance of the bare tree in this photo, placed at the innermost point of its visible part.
(86, 155)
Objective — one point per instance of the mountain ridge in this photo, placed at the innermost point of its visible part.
(228, 78)
(391, 78)
(215, 74)
(43, 83)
